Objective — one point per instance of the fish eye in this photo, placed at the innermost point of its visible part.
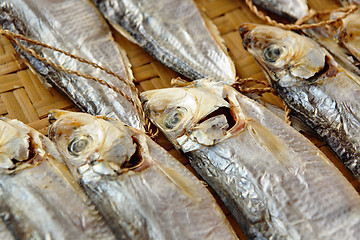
(273, 53)
(77, 145)
(174, 117)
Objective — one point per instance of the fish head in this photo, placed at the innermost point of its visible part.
(197, 114)
(286, 57)
(91, 142)
(20, 146)
(348, 34)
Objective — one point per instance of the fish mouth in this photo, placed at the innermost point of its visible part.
(227, 112)
(244, 29)
(54, 115)
(31, 157)
(137, 162)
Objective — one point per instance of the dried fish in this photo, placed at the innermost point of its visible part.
(38, 197)
(82, 31)
(312, 84)
(139, 188)
(175, 33)
(275, 182)
(290, 9)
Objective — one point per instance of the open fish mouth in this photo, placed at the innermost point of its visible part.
(219, 125)
(17, 164)
(19, 150)
(223, 112)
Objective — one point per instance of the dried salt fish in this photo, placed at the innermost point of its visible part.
(140, 189)
(38, 197)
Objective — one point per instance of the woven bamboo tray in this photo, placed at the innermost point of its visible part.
(24, 97)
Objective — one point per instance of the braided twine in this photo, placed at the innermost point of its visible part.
(13, 37)
(240, 86)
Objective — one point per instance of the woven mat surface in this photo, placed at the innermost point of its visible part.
(24, 97)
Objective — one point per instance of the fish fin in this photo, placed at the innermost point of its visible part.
(64, 172)
(272, 143)
(180, 181)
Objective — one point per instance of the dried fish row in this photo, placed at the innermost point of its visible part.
(275, 182)
(38, 197)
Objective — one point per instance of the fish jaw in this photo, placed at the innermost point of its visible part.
(286, 57)
(91, 143)
(14, 144)
(208, 119)
(20, 146)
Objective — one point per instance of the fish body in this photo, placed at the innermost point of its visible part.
(317, 89)
(290, 9)
(275, 182)
(38, 197)
(175, 33)
(141, 190)
(82, 31)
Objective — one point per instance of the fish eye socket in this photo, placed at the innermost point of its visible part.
(174, 117)
(77, 145)
(273, 53)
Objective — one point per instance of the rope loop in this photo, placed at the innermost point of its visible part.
(239, 85)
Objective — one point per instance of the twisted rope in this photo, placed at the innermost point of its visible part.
(300, 23)
(13, 37)
(239, 83)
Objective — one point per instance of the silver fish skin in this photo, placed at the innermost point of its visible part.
(290, 9)
(173, 32)
(321, 92)
(139, 188)
(38, 197)
(275, 182)
(82, 31)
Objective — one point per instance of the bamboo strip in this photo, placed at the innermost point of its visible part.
(26, 105)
